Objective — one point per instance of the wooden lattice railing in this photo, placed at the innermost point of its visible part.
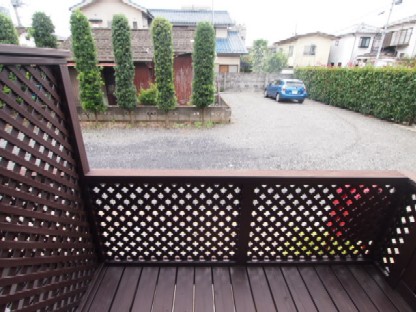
(47, 255)
(58, 219)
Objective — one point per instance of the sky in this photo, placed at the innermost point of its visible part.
(272, 20)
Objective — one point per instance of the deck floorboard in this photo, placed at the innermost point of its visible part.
(346, 288)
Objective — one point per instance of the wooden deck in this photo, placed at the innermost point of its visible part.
(243, 289)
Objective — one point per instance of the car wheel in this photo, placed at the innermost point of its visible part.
(301, 101)
(265, 93)
(278, 97)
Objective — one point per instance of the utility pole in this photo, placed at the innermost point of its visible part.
(383, 34)
(212, 9)
(17, 4)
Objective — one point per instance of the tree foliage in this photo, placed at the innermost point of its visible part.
(124, 71)
(275, 62)
(8, 34)
(258, 55)
(203, 62)
(163, 58)
(89, 74)
(265, 61)
(43, 31)
(387, 93)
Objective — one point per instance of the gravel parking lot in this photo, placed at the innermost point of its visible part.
(263, 134)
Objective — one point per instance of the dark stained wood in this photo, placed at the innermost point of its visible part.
(123, 299)
(281, 293)
(297, 288)
(317, 290)
(223, 291)
(393, 295)
(163, 301)
(108, 288)
(204, 300)
(243, 298)
(371, 288)
(353, 288)
(335, 289)
(146, 290)
(260, 289)
(184, 293)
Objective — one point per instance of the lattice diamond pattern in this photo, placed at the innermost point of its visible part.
(43, 227)
(399, 234)
(295, 222)
(145, 222)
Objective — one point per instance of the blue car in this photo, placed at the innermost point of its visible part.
(286, 89)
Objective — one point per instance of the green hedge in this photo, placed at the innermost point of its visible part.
(386, 93)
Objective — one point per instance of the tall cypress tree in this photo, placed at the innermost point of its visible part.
(163, 49)
(42, 31)
(8, 34)
(124, 71)
(203, 60)
(89, 74)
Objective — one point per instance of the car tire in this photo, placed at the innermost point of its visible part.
(278, 97)
(301, 101)
(265, 94)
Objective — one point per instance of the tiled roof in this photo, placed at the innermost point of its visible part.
(359, 28)
(295, 38)
(128, 2)
(192, 17)
(231, 45)
(142, 46)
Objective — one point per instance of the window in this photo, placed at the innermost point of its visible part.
(310, 50)
(290, 51)
(401, 37)
(233, 69)
(364, 42)
(135, 25)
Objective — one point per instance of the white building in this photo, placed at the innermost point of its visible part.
(353, 44)
(400, 40)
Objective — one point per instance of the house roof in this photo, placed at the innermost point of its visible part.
(314, 34)
(409, 19)
(192, 17)
(141, 40)
(359, 28)
(84, 3)
(231, 45)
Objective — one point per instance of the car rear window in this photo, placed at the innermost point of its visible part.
(294, 84)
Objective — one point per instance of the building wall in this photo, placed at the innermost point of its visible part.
(348, 49)
(299, 59)
(410, 49)
(226, 60)
(105, 9)
(221, 32)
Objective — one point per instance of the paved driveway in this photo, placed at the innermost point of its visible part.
(263, 134)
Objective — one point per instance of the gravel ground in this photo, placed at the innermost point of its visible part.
(263, 134)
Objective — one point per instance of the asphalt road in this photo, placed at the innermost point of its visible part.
(263, 134)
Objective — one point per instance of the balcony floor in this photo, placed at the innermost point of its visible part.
(243, 289)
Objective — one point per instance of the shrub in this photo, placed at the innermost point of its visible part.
(124, 71)
(163, 50)
(89, 74)
(148, 96)
(8, 34)
(42, 31)
(203, 58)
(386, 93)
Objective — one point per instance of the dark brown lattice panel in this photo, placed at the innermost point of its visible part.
(317, 222)
(401, 235)
(158, 222)
(46, 254)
